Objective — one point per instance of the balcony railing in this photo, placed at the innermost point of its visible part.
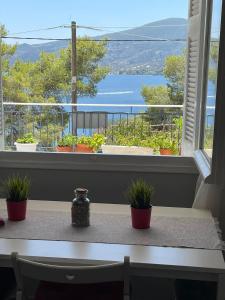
(50, 122)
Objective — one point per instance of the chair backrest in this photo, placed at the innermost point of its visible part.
(113, 272)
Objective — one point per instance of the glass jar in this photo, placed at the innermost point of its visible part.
(80, 210)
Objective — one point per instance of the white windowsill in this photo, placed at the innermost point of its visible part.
(203, 165)
(98, 162)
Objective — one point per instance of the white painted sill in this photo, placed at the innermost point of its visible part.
(203, 165)
(98, 162)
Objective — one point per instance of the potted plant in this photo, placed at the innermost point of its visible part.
(26, 143)
(84, 144)
(89, 144)
(165, 143)
(16, 190)
(140, 195)
(66, 144)
(97, 141)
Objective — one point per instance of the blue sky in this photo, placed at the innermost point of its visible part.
(24, 15)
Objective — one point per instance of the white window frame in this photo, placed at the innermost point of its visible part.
(103, 162)
(213, 170)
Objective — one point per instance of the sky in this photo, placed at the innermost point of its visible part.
(24, 15)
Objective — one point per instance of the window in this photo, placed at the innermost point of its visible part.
(195, 124)
(129, 127)
(209, 104)
(203, 90)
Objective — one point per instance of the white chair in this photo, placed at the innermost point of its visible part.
(73, 275)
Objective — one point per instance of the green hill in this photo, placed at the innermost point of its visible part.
(132, 57)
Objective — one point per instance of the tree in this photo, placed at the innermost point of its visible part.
(49, 80)
(156, 95)
(173, 92)
(174, 72)
(6, 50)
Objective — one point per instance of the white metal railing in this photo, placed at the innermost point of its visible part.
(91, 105)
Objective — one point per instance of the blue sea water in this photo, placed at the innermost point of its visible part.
(121, 89)
(126, 89)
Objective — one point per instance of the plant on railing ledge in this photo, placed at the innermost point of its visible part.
(165, 143)
(26, 139)
(90, 143)
(67, 143)
(26, 143)
(67, 140)
(97, 140)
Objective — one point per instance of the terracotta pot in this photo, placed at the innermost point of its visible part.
(64, 149)
(16, 210)
(83, 148)
(165, 151)
(141, 217)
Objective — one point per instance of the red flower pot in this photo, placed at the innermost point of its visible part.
(16, 210)
(166, 151)
(83, 148)
(141, 217)
(64, 149)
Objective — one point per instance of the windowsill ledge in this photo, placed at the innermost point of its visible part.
(98, 162)
(203, 165)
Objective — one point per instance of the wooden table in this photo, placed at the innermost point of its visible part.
(195, 264)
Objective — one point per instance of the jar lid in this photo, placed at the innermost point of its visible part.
(81, 191)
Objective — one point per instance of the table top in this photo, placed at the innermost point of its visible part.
(145, 256)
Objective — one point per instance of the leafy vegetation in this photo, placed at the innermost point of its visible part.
(27, 139)
(140, 194)
(48, 80)
(16, 188)
(164, 140)
(140, 132)
(173, 92)
(93, 142)
(68, 141)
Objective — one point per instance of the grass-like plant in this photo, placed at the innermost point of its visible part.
(16, 188)
(140, 194)
(26, 139)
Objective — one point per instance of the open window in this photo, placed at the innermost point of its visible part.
(195, 131)
(204, 87)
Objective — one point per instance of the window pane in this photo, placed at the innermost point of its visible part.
(111, 89)
(212, 78)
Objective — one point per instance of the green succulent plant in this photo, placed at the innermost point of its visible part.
(140, 194)
(27, 139)
(16, 188)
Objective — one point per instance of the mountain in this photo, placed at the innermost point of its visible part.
(134, 54)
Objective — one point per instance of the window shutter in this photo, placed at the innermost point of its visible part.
(194, 73)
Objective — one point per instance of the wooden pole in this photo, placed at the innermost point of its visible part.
(74, 75)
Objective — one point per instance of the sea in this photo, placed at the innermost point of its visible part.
(119, 90)
(126, 90)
